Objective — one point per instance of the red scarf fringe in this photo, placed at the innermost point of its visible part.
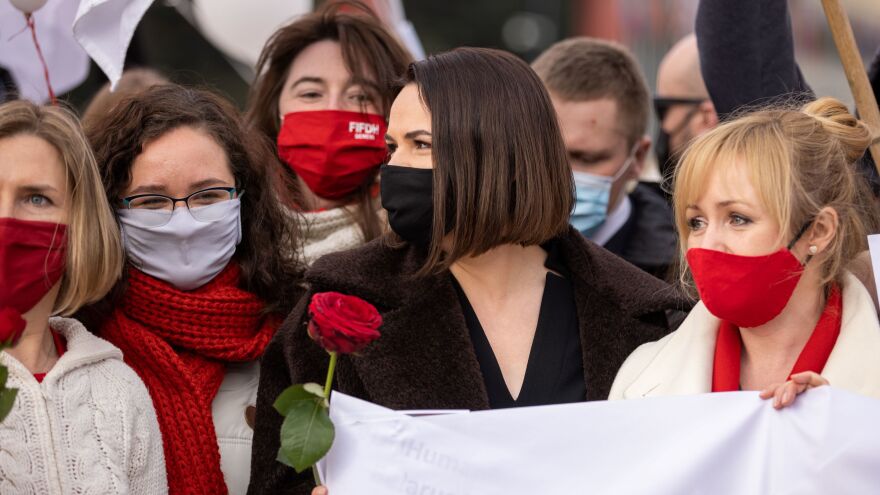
(179, 343)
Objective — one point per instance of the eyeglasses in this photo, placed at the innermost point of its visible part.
(662, 105)
(162, 206)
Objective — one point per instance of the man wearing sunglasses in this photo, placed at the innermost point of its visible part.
(682, 104)
(601, 101)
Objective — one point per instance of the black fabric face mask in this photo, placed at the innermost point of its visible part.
(408, 196)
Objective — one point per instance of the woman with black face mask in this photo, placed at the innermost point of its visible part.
(489, 298)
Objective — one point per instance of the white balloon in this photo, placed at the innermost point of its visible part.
(240, 29)
(28, 6)
(68, 62)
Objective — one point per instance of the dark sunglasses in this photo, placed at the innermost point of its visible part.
(662, 105)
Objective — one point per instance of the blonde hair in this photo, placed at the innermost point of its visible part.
(94, 250)
(799, 161)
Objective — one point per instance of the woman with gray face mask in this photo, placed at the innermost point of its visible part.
(206, 287)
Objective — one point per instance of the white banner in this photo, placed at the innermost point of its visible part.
(730, 443)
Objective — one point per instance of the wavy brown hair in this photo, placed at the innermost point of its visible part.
(120, 135)
(369, 51)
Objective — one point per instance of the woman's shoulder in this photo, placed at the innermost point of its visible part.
(615, 279)
(686, 350)
(379, 266)
(635, 365)
(101, 362)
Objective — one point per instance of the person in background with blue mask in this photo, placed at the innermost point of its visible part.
(601, 101)
(207, 285)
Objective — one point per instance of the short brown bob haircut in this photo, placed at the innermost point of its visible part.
(94, 250)
(120, 135)
(582, 69)
(501, 175)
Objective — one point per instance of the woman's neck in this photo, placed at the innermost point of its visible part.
(36, 347)
(500, 270)
(771, 350)
(313, 202)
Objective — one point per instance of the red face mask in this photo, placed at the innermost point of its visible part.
(746, 291)
(32, 260)
(333, 151)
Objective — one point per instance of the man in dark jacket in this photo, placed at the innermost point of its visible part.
(601, 100)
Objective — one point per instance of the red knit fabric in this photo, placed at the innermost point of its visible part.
(728, 347)
(178, 342)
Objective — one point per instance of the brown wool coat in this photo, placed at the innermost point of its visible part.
(424, 358)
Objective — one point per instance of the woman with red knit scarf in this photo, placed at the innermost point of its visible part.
(206, 286)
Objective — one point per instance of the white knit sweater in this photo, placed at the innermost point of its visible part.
(89, 427)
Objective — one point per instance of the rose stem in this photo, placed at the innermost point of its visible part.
(330, 372)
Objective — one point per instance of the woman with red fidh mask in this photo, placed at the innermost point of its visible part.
(769, 212)
(323, 94)
(82, 421)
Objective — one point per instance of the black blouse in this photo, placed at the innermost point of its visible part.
(555, 371)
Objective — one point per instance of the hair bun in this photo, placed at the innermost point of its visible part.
(853, 135)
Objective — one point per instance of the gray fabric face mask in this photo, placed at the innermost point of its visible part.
(185, 252)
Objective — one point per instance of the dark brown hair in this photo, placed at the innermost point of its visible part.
(501, 175)
(369, 52)
(120, 136)
(580, 69)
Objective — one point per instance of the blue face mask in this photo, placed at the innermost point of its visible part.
(592, 194)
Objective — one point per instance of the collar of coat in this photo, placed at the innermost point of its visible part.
(682, 362)
(425, 359)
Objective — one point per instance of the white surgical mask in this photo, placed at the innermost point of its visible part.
(592, 195)
(185, 252)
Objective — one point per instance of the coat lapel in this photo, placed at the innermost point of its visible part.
(683, 364)
(619, 307)
(854, 364)
(424, 359)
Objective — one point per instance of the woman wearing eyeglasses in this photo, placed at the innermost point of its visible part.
(206, 287)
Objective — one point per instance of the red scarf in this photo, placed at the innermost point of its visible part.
(179, 342)
(728, 347)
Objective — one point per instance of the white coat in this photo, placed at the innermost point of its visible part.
(235, 435)
(682, 362)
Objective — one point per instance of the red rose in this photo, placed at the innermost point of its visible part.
(341, 323)
(11, 325)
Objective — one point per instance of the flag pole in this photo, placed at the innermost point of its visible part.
(854, 68)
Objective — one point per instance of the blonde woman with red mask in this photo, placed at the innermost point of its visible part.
(769, 212)
(82, 421)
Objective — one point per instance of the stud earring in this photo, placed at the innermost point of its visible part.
(814, 250)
